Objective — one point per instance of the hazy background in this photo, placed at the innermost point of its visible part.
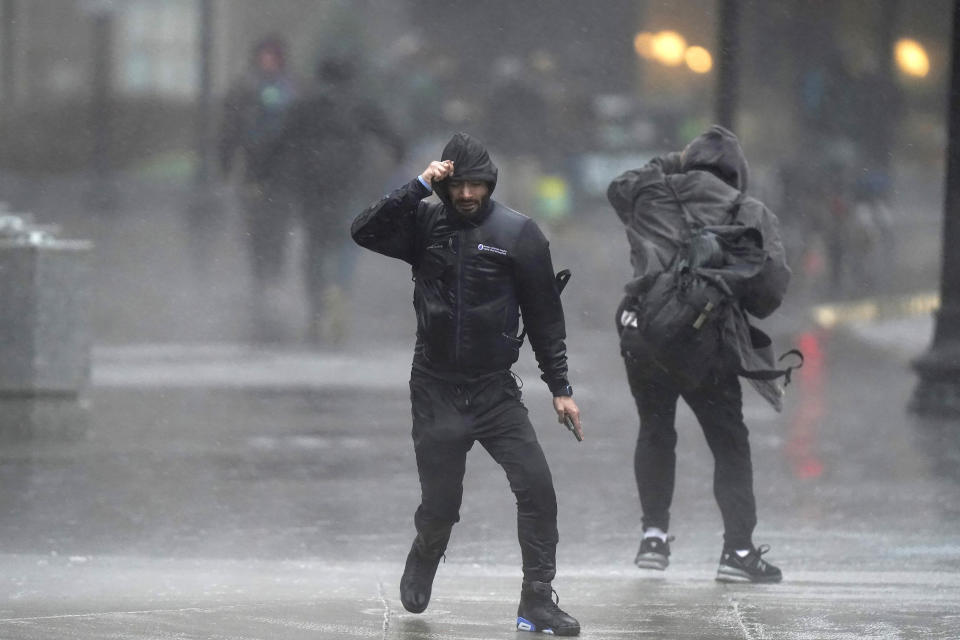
(108, 127)
(230, 472)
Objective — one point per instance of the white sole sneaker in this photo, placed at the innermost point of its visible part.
(654, 561)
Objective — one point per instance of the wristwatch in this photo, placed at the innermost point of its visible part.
(563, 391)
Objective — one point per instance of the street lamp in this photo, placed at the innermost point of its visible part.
(698, 60)
(911, 57)
(669, 48)
(643, 44)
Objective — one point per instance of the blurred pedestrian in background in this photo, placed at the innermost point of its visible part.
(477, 266)
(254, 113)
(516, 114)
(871, 239)
(334, 129)
(661, 205)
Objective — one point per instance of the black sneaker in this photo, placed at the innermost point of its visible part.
(539, 612)
(654, 553)
(417, 581)
(750, 568)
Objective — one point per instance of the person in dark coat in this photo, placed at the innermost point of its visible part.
(254, 112)
(328, 130)
(709, 178)
(478, 267)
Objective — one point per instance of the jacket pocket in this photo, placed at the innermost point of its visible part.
(432, 266)
(511, 325)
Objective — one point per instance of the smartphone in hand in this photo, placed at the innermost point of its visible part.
(567, 420)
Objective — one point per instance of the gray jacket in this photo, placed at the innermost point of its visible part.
(709, 177)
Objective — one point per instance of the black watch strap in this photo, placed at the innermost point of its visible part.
(563, 391)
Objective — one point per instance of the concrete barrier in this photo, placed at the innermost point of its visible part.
(46, 293)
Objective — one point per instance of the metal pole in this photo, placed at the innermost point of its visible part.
(938, 391)
(728, 63)
(204, 90)
(102, 196)
(204, 204)
(883, 144)
(8, 16)
(100, 115)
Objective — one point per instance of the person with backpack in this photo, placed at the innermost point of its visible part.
(705, 256)
(477, 266)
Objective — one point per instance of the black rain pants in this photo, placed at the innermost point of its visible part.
(447, 419)
(718, 405)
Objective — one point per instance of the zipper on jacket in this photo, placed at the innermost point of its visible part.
(458, 248)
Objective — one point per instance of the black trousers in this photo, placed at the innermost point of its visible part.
(269, 215)
(718, 406)
(329, 253)
(447, 419)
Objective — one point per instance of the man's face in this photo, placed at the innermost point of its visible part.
(468, 196)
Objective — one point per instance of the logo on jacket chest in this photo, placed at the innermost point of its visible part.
(491, 249)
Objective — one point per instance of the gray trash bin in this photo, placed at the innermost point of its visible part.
(46, 292)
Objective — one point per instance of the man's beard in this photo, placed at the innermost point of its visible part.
(471, 211)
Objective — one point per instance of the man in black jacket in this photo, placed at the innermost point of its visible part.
(477, 267)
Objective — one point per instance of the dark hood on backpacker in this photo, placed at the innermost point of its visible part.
(470, 162)
(718, 151)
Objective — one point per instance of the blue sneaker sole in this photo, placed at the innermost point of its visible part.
(525, 625)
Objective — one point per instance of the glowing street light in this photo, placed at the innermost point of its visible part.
(669, 48)
(643, 44)
(911, 57)
(698, 59)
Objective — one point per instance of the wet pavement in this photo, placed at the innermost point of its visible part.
(207, 504)
(207, 487)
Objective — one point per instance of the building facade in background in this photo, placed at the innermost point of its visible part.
(808, 65)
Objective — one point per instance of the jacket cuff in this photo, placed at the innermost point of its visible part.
(561, 388)
(419, 188)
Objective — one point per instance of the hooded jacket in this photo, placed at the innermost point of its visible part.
(474, 277)
(710, 177)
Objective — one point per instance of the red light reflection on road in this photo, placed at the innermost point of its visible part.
(801, 446)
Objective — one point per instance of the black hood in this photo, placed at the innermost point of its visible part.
(718, 151)
(470, 162)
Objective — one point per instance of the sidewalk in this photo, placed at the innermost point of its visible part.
(904, 337)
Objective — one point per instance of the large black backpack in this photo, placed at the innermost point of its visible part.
(674, 319)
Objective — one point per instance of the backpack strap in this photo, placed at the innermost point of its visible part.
(688, 218)
(562, 278)
(773, 374)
